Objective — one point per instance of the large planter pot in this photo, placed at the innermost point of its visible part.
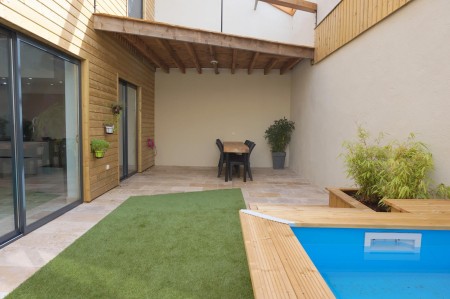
(341, 198)
(278, 159)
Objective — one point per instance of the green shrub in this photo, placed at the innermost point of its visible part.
(99, 145)
(407, 171)
(278, 135)
(365, 161)
(391, 170)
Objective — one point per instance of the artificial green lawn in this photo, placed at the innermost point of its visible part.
(185, 245)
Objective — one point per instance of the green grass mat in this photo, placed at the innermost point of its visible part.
(185, 245)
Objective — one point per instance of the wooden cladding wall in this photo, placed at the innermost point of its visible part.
(349, 19)
(149, 10)
(120, 8)
(68, 26)
(117, 7)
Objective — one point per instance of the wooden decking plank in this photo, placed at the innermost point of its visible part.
(433, 206)
(278, 277)
(279, 267)
(303, 275)
(359, 218)
(265, 273)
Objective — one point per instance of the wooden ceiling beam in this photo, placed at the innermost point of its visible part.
(146, 51)
(252, 63)
(233, 61)
(295, 4)
(270, 65)
(289, 65)
(173, 55)
(103, 22)
(191, 51)
(214, 61)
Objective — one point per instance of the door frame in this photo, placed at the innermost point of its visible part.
(124, 125)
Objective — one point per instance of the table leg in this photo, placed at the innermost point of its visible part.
(227, 165)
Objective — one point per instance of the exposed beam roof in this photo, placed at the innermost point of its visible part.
(296, 4)
(169, 46)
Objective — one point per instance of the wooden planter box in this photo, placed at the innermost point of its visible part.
(340, 198)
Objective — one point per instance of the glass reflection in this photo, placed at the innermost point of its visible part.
(49, 89)
(7, 203)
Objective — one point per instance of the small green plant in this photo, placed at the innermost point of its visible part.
(407, 171)
(365, 161)
(99, 145)
(390, 170)
(116, 110)
(278, 135)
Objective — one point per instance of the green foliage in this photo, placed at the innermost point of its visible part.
(442, 191)
(365, 163)
(278, 135)
(390, 170)
(99, 145)
(407, 171)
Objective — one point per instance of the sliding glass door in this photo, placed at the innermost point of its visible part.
(128, 129)
(50, 100)
(39, 135)
(8, 200)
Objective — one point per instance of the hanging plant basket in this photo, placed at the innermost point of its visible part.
(99, 154)
(109, 129)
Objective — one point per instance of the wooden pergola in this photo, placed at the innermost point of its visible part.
(168, 46)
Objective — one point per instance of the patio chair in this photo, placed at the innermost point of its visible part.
(237, 160)
(221, 157)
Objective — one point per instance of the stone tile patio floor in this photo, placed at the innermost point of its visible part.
(19, 260)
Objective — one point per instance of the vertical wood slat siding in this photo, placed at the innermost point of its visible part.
(119, 8)
(149, 10)
(67, 25)
(116, 7)
(349, 19)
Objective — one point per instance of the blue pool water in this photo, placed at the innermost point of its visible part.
(380, 263)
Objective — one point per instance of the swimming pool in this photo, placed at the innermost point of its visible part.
(380, 263)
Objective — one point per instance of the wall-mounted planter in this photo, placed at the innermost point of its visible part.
(99, 154)
(109, 129)
(98, 147)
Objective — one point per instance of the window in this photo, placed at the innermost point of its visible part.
(135, 9)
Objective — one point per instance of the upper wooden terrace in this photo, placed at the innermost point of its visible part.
(279, 265)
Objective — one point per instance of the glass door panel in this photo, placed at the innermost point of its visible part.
(128, 129)
(49, 91)
(8, 203)
(121, 129)
(132, 128)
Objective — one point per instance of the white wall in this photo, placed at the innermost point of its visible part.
(324, 7)
(239, 18)
(192, 110)
(393, 78)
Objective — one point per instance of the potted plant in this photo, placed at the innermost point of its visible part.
(389, 170)
(278, 135)
(109, 127)
(116, 110)
(98, 147)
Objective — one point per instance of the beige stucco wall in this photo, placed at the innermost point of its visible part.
(193, 110)
(393, 78)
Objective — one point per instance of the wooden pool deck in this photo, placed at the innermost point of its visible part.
(420, 206)
(280, 267)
